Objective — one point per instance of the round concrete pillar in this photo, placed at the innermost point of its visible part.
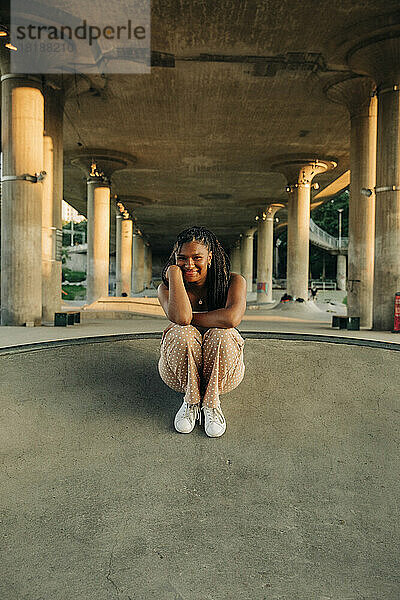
(235, 258)
(379, 57)
(300, 174)
(247, 258)
(298, 241)
(341, 272)
(48, 237)
(387, 221)
(265, 253)
(148, 262)
(52, 205)
(123, 257)
(21, 211)
(98, 229)
(356, 94)
(118, 277)
(137, 264)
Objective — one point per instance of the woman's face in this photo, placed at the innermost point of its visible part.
(193, 258)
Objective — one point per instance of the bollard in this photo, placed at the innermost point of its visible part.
(335, 321)
(340, 322)
(353, 323)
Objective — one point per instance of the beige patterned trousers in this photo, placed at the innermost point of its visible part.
(201, 366)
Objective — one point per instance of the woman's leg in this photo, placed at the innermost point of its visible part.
(181, 361)
(223, 366)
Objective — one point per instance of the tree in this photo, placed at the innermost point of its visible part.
(78, 228)
(326, 216)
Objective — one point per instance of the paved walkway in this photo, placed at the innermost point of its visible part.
(281, 320)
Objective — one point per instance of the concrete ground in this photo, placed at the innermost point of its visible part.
(102, 499)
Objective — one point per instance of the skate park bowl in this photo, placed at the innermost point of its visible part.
(102, 499)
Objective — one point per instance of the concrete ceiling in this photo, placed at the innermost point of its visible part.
(246, 86)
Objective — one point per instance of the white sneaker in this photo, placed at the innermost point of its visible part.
(186, 417)
(214, 421)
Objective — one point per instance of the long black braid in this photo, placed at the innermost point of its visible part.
(218, 273)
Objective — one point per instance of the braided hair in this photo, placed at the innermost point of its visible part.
(218, 273)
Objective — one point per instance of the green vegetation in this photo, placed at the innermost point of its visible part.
(78, 229)
(326, 216)
(73, 276)
(73, 292)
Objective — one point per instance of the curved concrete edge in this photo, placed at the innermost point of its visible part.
(260, 335)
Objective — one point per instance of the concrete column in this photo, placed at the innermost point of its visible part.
(137, 264)
(123, 257)
(298, 242)
(247, 258)
(300, 174)
(148, 265)
(265, 253)
(118, 277)
(341, 274)
(379, 57)
(48, 235)
(52, 206)
(98, 259)
(235, 258)
(387, 235)
(355, 94)
(21, 212)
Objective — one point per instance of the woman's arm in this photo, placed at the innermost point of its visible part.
(232, 314)
(174, 300)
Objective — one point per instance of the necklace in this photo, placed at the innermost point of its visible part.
(199, 301)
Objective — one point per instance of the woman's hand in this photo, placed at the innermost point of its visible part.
(170, 271)
(235, 307)
(174, 298)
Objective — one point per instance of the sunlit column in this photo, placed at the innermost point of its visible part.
(21, 211)
(265, 253)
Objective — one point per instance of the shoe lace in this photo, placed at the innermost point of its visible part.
(192, 411)
(214, 415)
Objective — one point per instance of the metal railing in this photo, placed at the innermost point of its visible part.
(79, 248)
(325, 240)
(320, 284)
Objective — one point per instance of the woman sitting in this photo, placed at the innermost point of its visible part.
(201, 351)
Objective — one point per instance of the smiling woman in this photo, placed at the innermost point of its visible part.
(201, 352)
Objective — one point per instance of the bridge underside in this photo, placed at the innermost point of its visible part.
(249, 106)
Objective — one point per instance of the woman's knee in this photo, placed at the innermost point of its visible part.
(183, 333)
(216, 334)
